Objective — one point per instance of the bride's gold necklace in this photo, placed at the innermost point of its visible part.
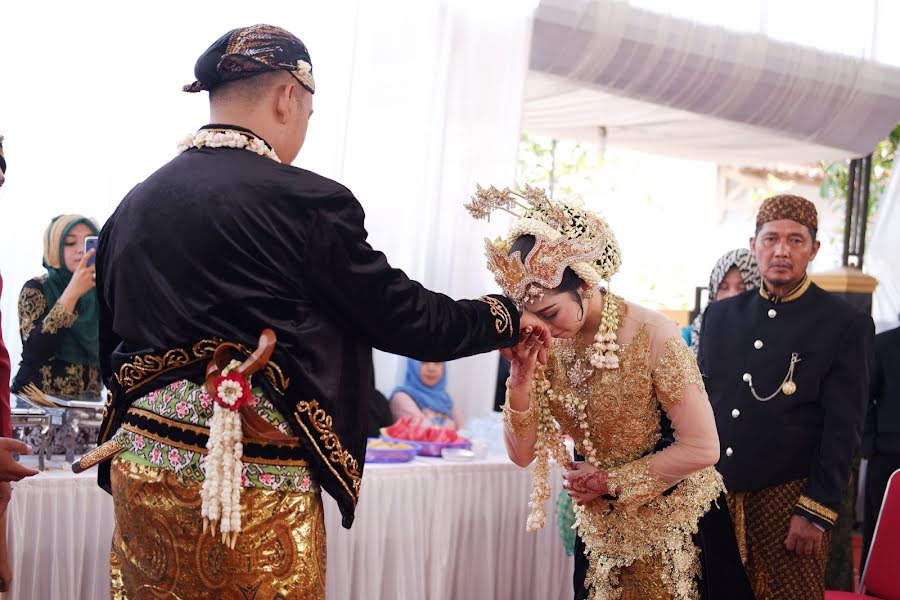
(581, 361)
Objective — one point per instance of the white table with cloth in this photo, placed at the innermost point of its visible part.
(425, 530)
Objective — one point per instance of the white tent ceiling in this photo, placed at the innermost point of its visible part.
(671, 85)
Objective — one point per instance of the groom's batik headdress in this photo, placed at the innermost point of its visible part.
(566, 235)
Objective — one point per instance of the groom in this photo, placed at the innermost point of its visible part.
(222, 242)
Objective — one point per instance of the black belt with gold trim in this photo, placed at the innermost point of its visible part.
(143, 368)
(191, 437)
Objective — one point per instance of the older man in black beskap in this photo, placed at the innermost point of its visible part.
(881, 436)
(786, 369)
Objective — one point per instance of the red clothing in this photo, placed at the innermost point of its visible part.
(5, 372)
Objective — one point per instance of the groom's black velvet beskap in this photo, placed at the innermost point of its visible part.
(222, 243)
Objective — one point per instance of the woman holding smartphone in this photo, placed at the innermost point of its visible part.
(58, 315)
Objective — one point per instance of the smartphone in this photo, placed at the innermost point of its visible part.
(91, 242)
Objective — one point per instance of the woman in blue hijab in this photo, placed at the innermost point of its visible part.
(424, 394)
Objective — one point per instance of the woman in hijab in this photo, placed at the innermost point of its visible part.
(735, 272)
(58, 315)
(424, 394)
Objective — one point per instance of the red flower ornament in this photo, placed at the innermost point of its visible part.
(231, 391)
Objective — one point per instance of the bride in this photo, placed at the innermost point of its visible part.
(621, 382)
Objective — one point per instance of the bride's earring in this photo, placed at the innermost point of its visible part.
(605, 347)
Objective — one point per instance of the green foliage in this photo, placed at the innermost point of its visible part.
(834, 185)
(562, 168)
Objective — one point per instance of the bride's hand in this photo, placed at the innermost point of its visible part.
(524, 356)
(585, 483)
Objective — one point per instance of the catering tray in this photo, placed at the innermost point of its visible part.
(390, 455)
(429, 448)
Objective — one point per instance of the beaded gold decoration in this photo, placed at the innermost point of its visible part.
(614, 417)
(566, 236)
(636, 483)
(518, 422)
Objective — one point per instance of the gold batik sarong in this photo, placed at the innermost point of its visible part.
(159, 549)
(761, 523)
(643, 580)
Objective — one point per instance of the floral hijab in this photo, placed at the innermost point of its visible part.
(746, 264)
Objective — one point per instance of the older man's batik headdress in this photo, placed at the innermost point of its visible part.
(787, 206)
(566, 236)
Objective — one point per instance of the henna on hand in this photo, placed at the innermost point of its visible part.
(593, 482)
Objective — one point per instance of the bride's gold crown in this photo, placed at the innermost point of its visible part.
(566, 235)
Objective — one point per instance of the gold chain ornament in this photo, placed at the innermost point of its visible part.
(788, 387)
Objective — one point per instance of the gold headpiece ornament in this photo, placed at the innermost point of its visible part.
(566, 236)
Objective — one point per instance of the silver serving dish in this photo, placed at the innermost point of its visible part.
(60, 420)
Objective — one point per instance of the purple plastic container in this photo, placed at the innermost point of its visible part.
(391, 455)
(429, 448)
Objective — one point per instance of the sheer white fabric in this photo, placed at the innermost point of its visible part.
(429, 530)
(742, 82)
(444, 531)
(881, 258)
(59, 528)
(417, 100)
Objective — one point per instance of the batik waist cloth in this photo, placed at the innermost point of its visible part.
(168, 428)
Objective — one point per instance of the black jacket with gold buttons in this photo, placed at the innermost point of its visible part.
(777, 425)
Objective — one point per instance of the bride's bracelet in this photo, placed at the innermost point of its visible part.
(518, 422)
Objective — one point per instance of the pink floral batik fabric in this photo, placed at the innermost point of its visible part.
(186, 402)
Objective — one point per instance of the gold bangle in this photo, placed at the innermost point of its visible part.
(519, 422)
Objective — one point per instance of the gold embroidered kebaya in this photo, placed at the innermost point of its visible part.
(58, 318)
(659, 530)
(32, 305)
(675, 370)
(641, 530)
(518, 422)
(636, 483)
(72, 381)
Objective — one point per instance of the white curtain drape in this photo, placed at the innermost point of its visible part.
(881, 259)
(754, 81)
(416, 102)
